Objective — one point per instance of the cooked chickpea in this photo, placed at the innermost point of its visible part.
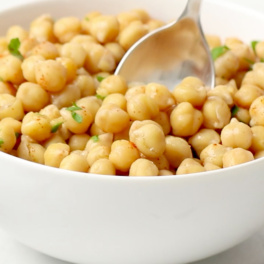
(257, 138)
(163, 120)
(36, 126)
(185, 120)
(75, 161)
(143, 167)
(259, 49)
(216, 113)
(46, 49)
(103, 166)
(12, 124)
(192, 90)
(16, 32)
(165, 173)
(85, 84)
(256, 111)
(7, 138)
(116, 99)
(203, 138)
(32, 96)
(10, 69)
(242, 115)
(51, 111)
(111, 118)
(116, 49)
(90, 103)
(123, 154)
(236, 156)
(10, 106)
(236, 135)
(7, 88)
(259, 154)
(55, 153)
(51, 75)
(213, 41)
(190, 165)
(105, 139)
(210, 166)
(148, 138)
(66, 28)
(71, 68)
(98, 152)
(142, 107)
(161, 162)
(78, 141)
(135, 90)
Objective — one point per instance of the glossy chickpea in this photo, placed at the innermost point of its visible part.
(46, 49)
(116, 49)
(213, 41)
(75, 161)
(70, 66)
(7, 88)
(7, 138)
(236, 156)
(103, 166)
(185, 120)
(10, 106)
(16, 32)
(143, 167)
(116, 99)
(163, 120)
(98, 152)
(78, 142)
(55, 153)
(85, 84)
(190, 165)
(256, 111)
(257, 139)
(105, 139)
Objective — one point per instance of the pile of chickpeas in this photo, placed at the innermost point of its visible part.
(62, 106)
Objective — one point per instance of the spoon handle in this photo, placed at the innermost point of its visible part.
(192, 9)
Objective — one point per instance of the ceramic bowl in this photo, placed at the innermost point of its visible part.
(86, 218)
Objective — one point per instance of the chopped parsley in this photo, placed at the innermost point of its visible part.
(99, 78)
(101, 97)
(234, 110)
(55, 128)
(253, 45)
(78, 118)
(218, 51)
(13, 48)
(95, 138)
(1, 142)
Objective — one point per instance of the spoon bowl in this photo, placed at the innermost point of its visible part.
(170, 53)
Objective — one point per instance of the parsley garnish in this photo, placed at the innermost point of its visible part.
(17, 134)
(234, 110)
(218, 51)
(75, 116)
(56, 127)
(253, 45)
(101, 97)
(13, 48)
(1, 142)
(95, 138)
(99, 78)
(1, 79)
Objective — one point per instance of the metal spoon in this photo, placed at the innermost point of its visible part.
(170, 53)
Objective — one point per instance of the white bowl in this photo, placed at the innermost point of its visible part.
(86, 218)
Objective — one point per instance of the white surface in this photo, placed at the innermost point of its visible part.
(249, 252)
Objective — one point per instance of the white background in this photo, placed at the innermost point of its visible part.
(249, 252)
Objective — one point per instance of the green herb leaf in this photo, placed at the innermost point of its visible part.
(253, 45)
(55, 128)
(74, 107)
(95, 138)
(234, 110)
(99, 78)
(1, 79)
(101, 97)
(1, 142)
(77, 117)
(13, 48)
(17, 135)
(218, 51)
(87, 18)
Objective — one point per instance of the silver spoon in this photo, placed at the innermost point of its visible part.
(170, 53)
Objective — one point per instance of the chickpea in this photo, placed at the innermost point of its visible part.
(143, 167)
(105, 139)
(236, 156)
(103, 166)
(125, 18)
(216, 113)
(210, 166)
(51, 111)
(78, 142)
(75, 162)
(74, 51)
(36, 126)
(28, 67)
(116, 99)
(70, 66)
(131, 33)
(111, 118)
(142, 15)
(11, 106)
(164, 121)
(51, 75)
(98, 152)
(242, 115)
(7, 88)
(12, 124)
(86, 22)
(16, 32)
(3, 45)
(192, 90)
(54, 139)
(185, 120)
(161, 162)
(257, 138)
(70, 93)
(10, 69)
(213, 154)
(104, 28)
(91, 104)
(55, 153)
(176, 150)
(165, 173)
(85, 84)
(256, 76)
(32, 96)
(116, 49)
(7, 138)
(256, 111)
(190, 165)
(160, 94)
(259, 154)
(42, 28)
(135, 90)
(123, 154)
(213, 41)
(142, 107)
(148, 138)
(46, 49)
(66, 28)
(247, 93)
(112, 84)
(203, 138)
(236, 135)
(77, 121)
